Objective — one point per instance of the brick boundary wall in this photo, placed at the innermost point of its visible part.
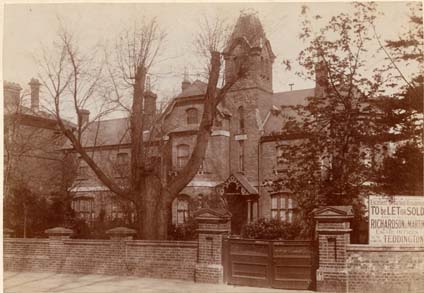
(199, 261)
(384, 269)
(155, 259)
(349, 268)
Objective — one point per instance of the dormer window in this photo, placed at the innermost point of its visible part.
(192, 116)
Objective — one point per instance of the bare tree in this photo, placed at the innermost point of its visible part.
(136, 51)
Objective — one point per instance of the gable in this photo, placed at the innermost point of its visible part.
(237, 182)
(334, 212)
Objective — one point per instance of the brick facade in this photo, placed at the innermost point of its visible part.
(250, 111)
(246, 115)
(31, 143)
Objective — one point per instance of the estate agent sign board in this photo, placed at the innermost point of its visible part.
(396, 221)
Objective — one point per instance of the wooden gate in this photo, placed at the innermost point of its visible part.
(278, 264)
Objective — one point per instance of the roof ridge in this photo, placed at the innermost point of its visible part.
(305, 89)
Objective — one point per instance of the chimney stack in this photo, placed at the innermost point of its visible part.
(321, 77)
(149, 109)
(35, 94)
(84, 117)
(12, 96)
(186, 83)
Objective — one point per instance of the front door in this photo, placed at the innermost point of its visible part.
(237, 205)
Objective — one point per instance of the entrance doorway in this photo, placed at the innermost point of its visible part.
(242, 201)
(237, 206)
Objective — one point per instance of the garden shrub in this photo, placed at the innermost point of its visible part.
(272, 229)
(183, 232)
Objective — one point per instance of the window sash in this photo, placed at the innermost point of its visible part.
(282, 207)
(192, 116)
(183, 154)
(182, 211)
(122, 158)
(182, 161)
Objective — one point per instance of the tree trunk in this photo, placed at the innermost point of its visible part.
(25, 220)
(164, 208)
(155, 210)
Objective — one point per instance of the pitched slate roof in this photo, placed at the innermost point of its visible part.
(292, 98)
(281, 103)
(249, 26)
(105, 132)
(245, 183)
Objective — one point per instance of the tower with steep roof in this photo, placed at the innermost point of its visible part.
(248, 42)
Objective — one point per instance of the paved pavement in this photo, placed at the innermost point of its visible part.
(24, 282)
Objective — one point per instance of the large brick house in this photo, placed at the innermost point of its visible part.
(34, 170)
(32, 142)
(240, 154)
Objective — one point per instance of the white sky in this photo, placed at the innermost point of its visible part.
(27, 26)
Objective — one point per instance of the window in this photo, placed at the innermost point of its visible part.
(82, 169)
(192, 116)
(183, 153)
(116, 210)
(241, 118)
(122, 158)
(84, 208)
(241, 155)
(180, 210)
(122, 164)
(282, 207)
(282, 160)
(283, 151)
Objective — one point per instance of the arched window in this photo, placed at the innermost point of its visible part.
(180, 210)
(192, 116)
(241, 118)
(183, 154)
